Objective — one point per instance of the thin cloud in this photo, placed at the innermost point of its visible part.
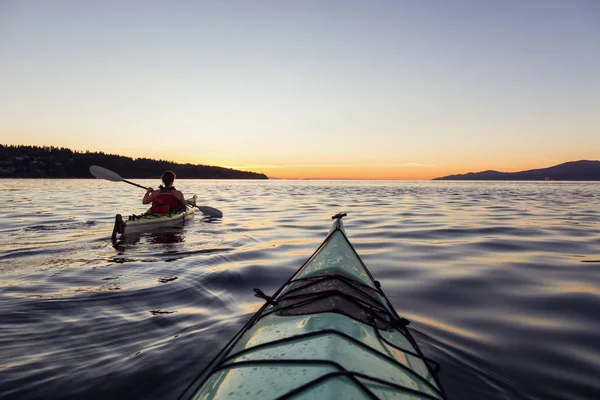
(255, 166)
(411, 164)
(291, 166)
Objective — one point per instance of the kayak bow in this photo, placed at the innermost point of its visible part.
(328, 333)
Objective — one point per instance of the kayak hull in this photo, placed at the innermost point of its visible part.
(149, 221)
(328, 333)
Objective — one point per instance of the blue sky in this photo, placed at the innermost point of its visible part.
(392, 89)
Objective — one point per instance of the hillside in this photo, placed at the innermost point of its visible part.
(54, 162)
(583, 170)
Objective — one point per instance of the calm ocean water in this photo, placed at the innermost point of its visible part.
(501, 280)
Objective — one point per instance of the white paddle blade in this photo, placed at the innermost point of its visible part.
(211, 212)
(103, 173)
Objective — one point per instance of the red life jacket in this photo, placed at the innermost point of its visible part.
(165, 201)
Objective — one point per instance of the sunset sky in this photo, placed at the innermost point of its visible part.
(307, 88)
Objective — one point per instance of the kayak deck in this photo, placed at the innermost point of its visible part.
(327, 333)
(150, 221)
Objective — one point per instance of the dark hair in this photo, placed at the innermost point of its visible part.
(168, 177)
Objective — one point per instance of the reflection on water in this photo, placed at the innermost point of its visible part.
(163, 236)
(500, 280)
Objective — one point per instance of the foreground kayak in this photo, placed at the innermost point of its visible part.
(328, 333)
(150, 221)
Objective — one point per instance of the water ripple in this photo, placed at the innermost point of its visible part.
(500, 280)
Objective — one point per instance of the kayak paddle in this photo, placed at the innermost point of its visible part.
(210, 211)
(103, 173)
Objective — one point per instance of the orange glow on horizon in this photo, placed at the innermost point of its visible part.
(427, 168)
(351, 172)
(407, 171)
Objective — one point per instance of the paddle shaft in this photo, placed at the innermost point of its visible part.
(134, 184)
(103, 173)
(203, 209)
(144, 187)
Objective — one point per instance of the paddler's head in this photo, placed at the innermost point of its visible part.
(168, 177)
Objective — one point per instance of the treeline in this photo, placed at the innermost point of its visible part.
(60, 162)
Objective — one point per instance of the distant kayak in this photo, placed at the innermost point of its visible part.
(150, 221)
(328, 333)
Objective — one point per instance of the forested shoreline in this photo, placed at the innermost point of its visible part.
(19, 161)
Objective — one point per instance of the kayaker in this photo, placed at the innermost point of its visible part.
(167, 198)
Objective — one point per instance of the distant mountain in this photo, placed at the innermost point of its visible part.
(55, 162)
(583, 170)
